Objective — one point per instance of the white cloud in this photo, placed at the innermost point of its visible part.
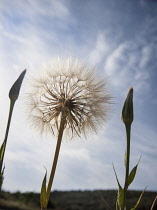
(115, 61)
(30, 10)
(79, 153)
(145, 56)
(49, 8)
(142, 75)
(101, 48)
(128, 66)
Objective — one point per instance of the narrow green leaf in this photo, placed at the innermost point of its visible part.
(120, 196)
(1, 181)
(43, 195)
(2, 150)
(116, 177)
(132, 174)
(1, 177)
(139, 200)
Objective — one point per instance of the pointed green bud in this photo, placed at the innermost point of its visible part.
(15, 89)
(127, 111)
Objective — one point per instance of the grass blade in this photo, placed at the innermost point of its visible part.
(138, 201)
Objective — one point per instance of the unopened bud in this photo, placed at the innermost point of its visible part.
(15, 89)
(127, 111)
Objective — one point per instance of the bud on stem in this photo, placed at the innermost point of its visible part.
(15, 89)
(127, 117)
(127, 111)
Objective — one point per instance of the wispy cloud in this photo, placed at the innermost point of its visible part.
(101, 49)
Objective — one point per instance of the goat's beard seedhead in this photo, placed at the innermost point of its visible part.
(70, 89)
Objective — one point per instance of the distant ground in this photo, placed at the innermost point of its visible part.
(74, 200)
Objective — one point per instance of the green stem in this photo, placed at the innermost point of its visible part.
(128, 130)
(12, 102)
(59, 140)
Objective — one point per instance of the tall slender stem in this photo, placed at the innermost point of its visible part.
(59, 140)
(128, 130)
(12, 102)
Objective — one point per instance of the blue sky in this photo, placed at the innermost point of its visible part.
(120, 39)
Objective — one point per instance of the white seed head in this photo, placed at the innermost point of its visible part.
(71, 89)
